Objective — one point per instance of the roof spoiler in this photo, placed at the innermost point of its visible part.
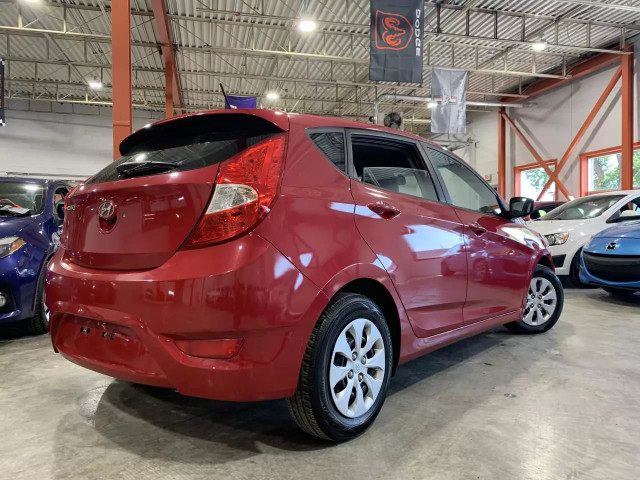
(202, 127)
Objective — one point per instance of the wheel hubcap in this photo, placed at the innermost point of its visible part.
(359, 348)
(542, 304)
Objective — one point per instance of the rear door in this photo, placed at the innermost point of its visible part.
(416, 236)
(137, 212)
(499, 252)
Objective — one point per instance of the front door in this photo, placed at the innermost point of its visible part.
(416, 236)
(499, 252)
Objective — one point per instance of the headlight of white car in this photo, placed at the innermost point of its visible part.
(8, 245)
(557, 238)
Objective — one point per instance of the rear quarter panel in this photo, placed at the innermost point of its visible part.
(312, 224)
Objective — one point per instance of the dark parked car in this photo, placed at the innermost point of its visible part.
(31, 211)
(250, 255)
(540, 209)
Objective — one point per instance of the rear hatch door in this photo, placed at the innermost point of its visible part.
(137, 212)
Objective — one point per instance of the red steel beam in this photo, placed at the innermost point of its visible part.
(627, 122)
(502, 154)
(587, 67)
(164, 35)
(121, 72)
(552, 176)
(168, 79)
(585, 126)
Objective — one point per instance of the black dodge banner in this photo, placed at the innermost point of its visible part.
(1, 92)
(396, 41)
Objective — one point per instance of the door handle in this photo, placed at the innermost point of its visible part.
(383, 209)
(477, 228)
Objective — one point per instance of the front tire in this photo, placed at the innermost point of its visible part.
(618, 292)
(574, 271)
(345, 371)
(39, 323)
(545, 300)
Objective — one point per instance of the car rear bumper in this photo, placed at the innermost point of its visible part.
(610, 270)
(126, 324)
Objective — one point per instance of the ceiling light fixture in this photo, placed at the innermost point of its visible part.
(272, 96)
(95, 85)
(307, 25)
(32, 1)
(539, 45)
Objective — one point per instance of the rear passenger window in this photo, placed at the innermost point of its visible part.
(331, 144)
(393, 166)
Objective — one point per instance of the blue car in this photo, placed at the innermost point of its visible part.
(31, 213)
(611, 260)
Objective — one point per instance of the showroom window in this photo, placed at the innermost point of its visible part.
(393, 166)
(601, 171)
(529, 180)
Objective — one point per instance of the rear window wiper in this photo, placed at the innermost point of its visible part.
(133, 169)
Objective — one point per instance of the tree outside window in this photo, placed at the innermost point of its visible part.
(605, 172)
(533, 180)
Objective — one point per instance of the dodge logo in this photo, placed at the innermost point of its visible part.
(392, 31)
(613, 245)
(106, 210)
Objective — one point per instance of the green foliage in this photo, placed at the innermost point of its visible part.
(536, 177)
(605, 172)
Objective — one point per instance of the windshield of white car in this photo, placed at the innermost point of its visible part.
(17, 196)
(583, 208)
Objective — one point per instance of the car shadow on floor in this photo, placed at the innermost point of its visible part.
(629, 300)
(12, 331)
(159, 423)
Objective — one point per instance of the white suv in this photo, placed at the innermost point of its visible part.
(570, 227)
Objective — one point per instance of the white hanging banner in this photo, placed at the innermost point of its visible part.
(449, 90)
(1, 92)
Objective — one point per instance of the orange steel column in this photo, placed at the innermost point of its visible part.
(168, 77)
(502, 154)
(627, 122)
(121, 71)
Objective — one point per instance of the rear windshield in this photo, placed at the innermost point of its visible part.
(583, 208)
(188, 157)
(22, 195)
(185, 144)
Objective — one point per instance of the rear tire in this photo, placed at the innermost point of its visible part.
(545, 300)
(618, 292)
(39, 323)
(336, 398)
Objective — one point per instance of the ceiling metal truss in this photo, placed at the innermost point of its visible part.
(53, 50)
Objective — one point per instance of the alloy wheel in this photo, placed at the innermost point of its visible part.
(541, 302)
(357, 368)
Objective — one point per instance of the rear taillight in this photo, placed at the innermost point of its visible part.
(245, 188)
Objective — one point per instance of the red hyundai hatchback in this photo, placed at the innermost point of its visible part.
(250, 255)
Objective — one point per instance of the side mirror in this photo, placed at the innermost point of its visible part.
(520, 207)
(60, 210)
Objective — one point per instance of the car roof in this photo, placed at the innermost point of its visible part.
(547, 203)
(614, 192)
(283, 120)
(25, 179)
